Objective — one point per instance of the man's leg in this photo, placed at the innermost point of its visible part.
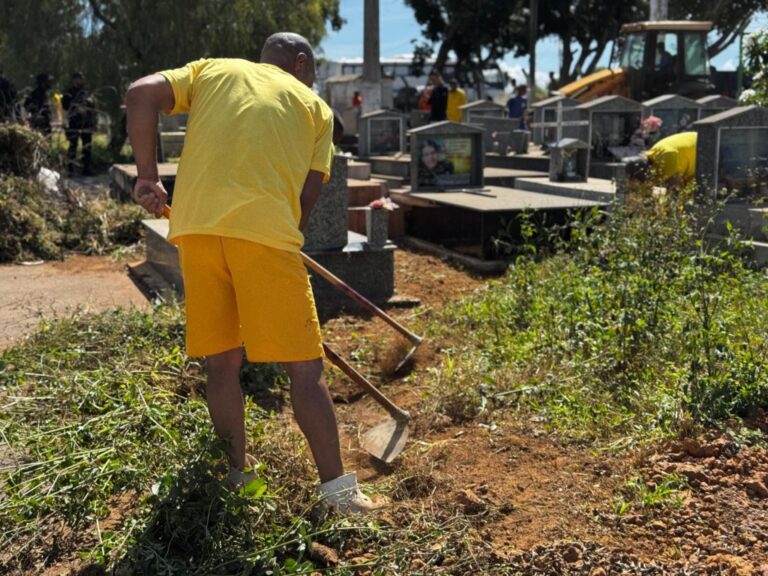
(86, 137)
(313, 408)
(225, 402)
(72, 138)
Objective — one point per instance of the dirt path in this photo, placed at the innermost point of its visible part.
(29, 294)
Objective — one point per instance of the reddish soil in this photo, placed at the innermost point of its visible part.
(540, 507)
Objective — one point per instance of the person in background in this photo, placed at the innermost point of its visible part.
(38, 104)
(553, 83)
(438, 99)
(518, 104)
(9, 106)
(666, 61)
(357, 100)
(81, 116)
(670, 162)
(456, 99)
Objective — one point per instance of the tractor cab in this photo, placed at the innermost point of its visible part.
(665, 57)
(655, 58)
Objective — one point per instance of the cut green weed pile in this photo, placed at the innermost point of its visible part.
(41, 224)
(104, 409)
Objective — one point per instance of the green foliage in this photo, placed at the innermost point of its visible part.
(756, 56)
(590, 24)
(108, 40)
(479, 35)
(103, 408)
(642, 497)
(38, 224)
(637, 327)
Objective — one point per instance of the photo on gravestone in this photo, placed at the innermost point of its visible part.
(742, 168)
(384, 135)
(445, 161)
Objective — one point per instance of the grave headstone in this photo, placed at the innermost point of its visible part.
(502, 135)
(714, 104)
(446, 155)
(569, 161)
(480, 108)
(327, 226)
(677, 113)
(732, 151)
(381, 132)
(545, 112)
(612, 122)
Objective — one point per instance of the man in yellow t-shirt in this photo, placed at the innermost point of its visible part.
(672, 160)
(256, 152)
(456, 98)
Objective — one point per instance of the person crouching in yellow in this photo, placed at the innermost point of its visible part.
(672, 161)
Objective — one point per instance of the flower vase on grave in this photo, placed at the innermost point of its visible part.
(377, 221)
(376, 226)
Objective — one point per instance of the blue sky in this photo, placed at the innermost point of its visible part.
(398, 27)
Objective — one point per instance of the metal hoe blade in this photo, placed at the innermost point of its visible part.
(386, 440)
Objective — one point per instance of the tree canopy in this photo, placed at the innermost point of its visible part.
(479, 32)
(729, 16)
(115, 41)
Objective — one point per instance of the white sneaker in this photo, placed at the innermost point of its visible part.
(238, 478)
(344, 496)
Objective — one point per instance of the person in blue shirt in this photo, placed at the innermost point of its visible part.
(517, 105)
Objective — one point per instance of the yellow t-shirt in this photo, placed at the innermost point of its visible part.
(456, 98)
(253, 134)
(675, 155)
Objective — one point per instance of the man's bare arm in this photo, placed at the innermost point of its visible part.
(146, 98)
(309, 195)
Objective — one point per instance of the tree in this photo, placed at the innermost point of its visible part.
(729, 16)
(756, 60)
(478, 32)
(591, 25)
(115, 41)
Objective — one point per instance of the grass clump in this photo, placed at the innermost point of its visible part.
(636, 326)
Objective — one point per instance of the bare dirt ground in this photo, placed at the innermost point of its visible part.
(540, 507)
(29, 294)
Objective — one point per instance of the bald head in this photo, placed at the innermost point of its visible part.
(292, 53)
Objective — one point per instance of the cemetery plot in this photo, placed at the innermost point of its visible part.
(677, 113)
(446, 155)
(381, 133)
(743, 161)
(731, 151)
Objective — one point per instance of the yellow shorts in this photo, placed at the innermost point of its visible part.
(239, 292)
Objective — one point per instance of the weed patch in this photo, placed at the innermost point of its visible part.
(634, 327)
